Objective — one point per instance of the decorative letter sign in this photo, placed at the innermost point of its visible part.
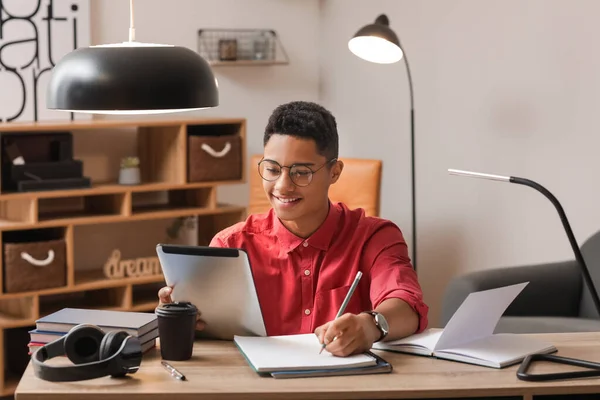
(115, 268)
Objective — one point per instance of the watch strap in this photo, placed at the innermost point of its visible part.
(381, 331)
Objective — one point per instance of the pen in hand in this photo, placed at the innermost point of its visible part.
(345, 303)
(173, 371)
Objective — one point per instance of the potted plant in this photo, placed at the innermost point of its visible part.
(130, 171)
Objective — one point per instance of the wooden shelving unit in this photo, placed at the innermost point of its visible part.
(70, 214)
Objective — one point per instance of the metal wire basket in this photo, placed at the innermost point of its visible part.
(235, 45)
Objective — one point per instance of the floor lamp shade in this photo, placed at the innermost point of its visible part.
(376, 43)
(131, 79)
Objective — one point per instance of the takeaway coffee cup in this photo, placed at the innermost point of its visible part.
(176, 330)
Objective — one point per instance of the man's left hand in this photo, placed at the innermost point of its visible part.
(353, 334)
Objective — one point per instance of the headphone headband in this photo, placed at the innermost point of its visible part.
(126, 359)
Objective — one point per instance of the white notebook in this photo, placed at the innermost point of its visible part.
(469, 335)
(294, 353)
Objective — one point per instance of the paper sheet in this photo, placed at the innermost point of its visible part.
(478, 316)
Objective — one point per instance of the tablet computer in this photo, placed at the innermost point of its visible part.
(220, 283)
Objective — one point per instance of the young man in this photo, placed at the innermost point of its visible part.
(306, 251)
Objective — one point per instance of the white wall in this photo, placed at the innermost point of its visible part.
(501, 86)
(249, 92)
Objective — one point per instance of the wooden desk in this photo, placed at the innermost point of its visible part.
(218, 371)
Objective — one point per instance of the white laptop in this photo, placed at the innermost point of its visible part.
(219, 282)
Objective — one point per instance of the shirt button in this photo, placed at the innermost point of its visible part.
(305, 244)
(307, 311)
(306, 272)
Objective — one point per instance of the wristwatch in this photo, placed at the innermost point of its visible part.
(380, 323)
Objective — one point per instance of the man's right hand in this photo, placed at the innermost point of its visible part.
(164, 297)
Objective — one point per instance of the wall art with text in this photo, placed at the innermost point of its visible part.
(34, 36)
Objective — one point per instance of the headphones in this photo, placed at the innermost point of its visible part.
(94, 353)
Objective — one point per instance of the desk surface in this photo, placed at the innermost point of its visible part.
(219, 371)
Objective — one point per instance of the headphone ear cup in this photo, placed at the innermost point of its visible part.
(111, 343)
(82, 344)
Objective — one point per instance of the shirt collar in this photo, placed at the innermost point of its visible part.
(320, 239)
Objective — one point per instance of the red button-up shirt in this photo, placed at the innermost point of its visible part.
(301, 283)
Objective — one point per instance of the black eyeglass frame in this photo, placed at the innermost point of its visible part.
(290, 170)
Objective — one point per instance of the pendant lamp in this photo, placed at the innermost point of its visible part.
(132, 78)
(378, 43)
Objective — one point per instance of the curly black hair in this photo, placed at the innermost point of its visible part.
(307, 120)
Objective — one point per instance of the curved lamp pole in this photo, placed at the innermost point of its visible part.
(378, 43)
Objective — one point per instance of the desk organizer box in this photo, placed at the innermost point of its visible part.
(40, 161)
(214, 158)
(34, 265)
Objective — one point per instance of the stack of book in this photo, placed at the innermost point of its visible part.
(51, 327)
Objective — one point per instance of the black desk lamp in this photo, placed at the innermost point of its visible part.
(522, 181)
(379, 44)
(522, 373)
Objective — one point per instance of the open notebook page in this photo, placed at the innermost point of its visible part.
(419, 343)
(478, 316)
(498, 350)
(294, 352)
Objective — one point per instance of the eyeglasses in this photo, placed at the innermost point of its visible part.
(301, 175)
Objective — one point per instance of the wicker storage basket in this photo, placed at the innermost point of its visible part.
(214, 158)
(34, 265)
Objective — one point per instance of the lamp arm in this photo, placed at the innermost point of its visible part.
(131, 22)
(412, 160)
(578, 256)
(410, 82)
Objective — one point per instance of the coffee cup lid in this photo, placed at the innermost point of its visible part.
(177, 308)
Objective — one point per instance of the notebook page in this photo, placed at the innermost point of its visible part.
(478, 315)
(425, 340)
(294, 352)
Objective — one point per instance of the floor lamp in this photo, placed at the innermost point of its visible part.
(378, 43)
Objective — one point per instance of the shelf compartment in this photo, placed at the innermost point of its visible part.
(172, 200)
(144, 297)
(161, 152)
(82, 207)
(114, 246)
(18, 311)
(106, 298)
(16, 355)
(18, 210)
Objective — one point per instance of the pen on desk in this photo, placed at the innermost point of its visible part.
(173, 371)
(346, 301)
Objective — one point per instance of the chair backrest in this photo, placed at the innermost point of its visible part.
(359, 186)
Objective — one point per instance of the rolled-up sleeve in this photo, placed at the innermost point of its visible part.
(391, 272)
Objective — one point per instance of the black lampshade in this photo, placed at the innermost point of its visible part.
(132, 78)
(377, 42)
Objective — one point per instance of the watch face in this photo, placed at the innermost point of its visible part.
(382, 322)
